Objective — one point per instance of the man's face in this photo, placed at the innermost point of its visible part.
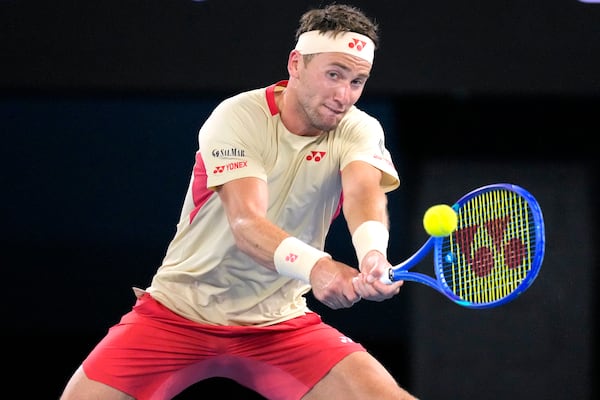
(329, 84)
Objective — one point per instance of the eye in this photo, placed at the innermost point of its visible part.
(333, 75)
(358, 82)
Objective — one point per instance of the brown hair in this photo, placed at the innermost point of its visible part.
(338, 18)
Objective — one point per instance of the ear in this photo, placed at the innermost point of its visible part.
(294, 61)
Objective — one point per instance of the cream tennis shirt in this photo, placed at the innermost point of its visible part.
(204, 277)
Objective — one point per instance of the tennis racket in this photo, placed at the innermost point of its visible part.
(494, 254)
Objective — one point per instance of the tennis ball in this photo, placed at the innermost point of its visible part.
(440, 220)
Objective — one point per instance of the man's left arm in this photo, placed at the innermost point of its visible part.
(365, 210)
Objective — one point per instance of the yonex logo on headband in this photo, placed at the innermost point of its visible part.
(357, 43)
(345, 42)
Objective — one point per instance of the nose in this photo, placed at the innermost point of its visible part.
(343, 93)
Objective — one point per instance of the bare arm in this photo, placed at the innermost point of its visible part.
(365, 200)
(245, 202)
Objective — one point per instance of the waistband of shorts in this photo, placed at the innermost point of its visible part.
(147, 306)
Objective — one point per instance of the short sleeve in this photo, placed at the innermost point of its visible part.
(364, 140)
(230, 142)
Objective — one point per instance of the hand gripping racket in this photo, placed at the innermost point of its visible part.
(494, 254)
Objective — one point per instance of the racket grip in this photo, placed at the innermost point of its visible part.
(387, 277)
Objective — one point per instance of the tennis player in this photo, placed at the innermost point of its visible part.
(274, 167)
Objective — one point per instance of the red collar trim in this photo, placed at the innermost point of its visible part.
(270, 93)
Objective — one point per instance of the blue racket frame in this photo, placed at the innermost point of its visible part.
(442, 257)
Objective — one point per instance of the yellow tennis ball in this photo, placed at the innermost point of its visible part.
(440, 220)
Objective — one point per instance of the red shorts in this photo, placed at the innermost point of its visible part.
(153, 353)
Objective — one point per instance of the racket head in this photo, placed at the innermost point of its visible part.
(497, 250)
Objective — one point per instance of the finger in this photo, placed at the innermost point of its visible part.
(362, 288)
(377, 291)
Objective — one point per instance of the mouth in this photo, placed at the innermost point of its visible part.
(336, 110)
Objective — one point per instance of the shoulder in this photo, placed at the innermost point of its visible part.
(252, 101)
(239, 113)
(357, 122)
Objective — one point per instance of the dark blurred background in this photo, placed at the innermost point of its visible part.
(100, 104)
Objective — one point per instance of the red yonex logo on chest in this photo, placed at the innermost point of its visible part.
(315, 156)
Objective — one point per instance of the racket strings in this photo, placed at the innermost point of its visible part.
(490, 254)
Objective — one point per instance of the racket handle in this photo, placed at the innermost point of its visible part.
(387, 278)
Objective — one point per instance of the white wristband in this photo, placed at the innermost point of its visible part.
(295, 259)
(370, 235)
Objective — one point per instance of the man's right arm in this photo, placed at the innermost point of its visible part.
(245, 201)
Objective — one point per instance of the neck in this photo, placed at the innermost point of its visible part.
(290, 114)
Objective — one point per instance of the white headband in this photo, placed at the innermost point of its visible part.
(344, 42)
